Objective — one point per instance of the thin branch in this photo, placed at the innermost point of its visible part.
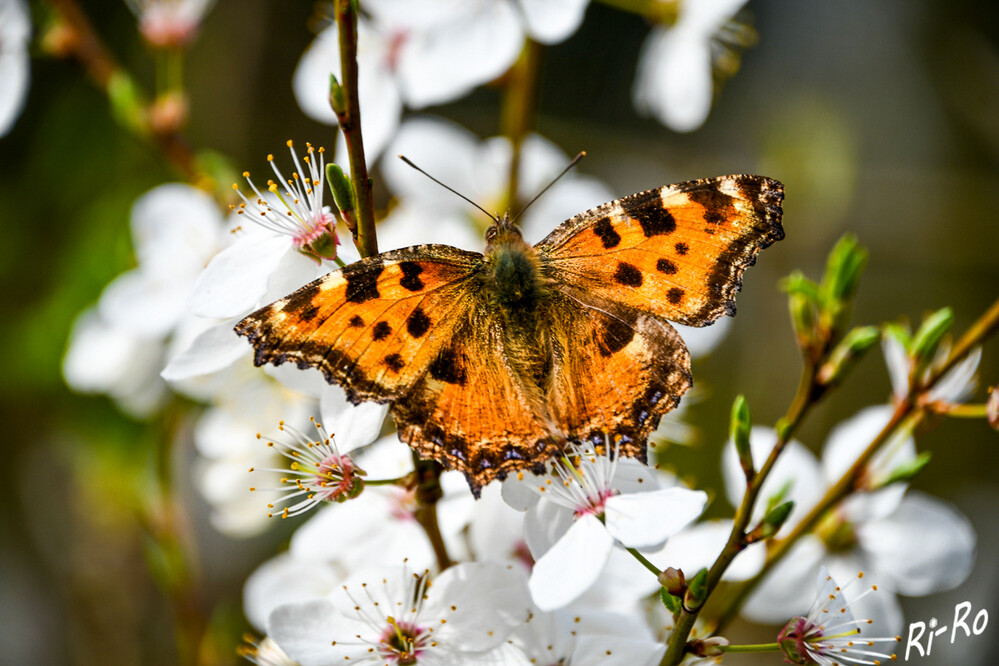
(428, 493)
(908, 409)
(805, 398)
(350, 124)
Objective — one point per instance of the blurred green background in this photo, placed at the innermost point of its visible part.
(880, 118)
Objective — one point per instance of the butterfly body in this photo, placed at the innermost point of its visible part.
(492, 361)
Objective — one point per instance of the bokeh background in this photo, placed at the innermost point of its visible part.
(880, 118)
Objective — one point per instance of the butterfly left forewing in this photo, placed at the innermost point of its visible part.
(677, 251)
(373, 326)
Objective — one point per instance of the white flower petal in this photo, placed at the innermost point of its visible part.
(544, 524)
(551, 21)
(959, 383)
(440, 147)
(698, 547)
(352, 426)
(175, 231)
(476, 44)
(517, 491)
(640, 520)
(302, 631)
(847, 440)
(281, 580)
(788, 589)
(674, 81)
(925, 546)
(572, 565)
(214, 349)
(486, 601)
(897, 361)
(15, 31)
(143, 305)
(236, 278)
(616, 651)
(311, 81)
(496, 531)
(702, 341)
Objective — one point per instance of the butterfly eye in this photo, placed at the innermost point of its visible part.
(490, 234)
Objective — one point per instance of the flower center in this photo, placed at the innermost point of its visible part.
(402, 642)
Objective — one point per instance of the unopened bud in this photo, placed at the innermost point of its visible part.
(992, 407)
(673, 581)
(927, 339)
(843, 269)
(343, 193)
(697, 590)
(846, 354)
(906, 471)
(708, 647)
(771, 523)
(126, 102)
(338, 100)
(802, 306)
(739, 432)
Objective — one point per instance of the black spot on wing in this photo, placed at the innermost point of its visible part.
(356, 321)
(666, 266)
(647, 208)
(682, 248)
(309, 313)
(615, 334)
(362, 281)
(381, 330)
(718, 206)
(394, 362)
(605, 230)
(418, 323)
(300, 302)
(675, 295)
(448, 367)
(628, 275)
(411, 275)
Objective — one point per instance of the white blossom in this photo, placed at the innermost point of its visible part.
(675, 79)
(15, 33)
(397, 616)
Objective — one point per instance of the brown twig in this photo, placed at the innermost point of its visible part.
(805, 398)
(349, 118)
(428, 493)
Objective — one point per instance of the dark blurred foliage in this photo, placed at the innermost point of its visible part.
(881, 118)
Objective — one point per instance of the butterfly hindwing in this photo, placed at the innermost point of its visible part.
(373, 326)
(471, 410)
(618, 370)
(677, 251)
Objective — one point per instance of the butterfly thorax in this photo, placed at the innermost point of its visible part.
(514, 278)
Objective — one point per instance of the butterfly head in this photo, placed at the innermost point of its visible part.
(504, 234)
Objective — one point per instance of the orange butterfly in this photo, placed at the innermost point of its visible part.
(492, 361)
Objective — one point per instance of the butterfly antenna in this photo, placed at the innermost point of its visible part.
(574, 162)
(449, 188)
